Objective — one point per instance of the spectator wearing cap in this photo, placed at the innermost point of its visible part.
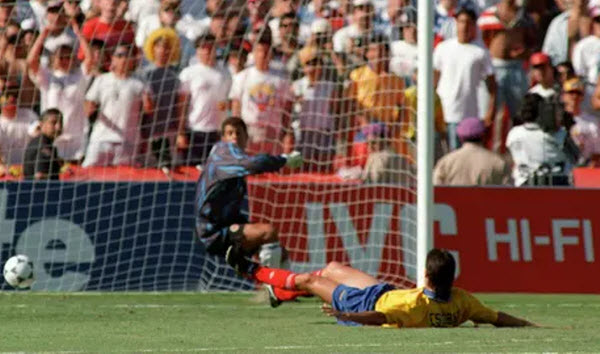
(459, 68)
(262, 97)
(41, 161)
(586, 131)
(168, 16)
(565, 30)
(471, 164)
(404, 51)
(285, 54)
(108, 27)
(535, 151)
(333, 67)
(316, 108)
(542, 73)
(375, 93)
(17, 127)
(363, 13)
(116, 96)
(62, 84)
(509, 33)
(161, 98)
(13, 66)
(384, 165)
(28, 32)
(205, 87)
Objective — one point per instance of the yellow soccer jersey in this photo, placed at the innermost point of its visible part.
(412, 308)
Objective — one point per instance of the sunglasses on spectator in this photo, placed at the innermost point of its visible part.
(313, 62)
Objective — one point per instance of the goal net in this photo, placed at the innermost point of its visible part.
(105, 200)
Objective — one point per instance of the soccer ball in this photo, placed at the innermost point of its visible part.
(18, 271)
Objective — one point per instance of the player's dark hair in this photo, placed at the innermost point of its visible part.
(440, 268)
(235, 122)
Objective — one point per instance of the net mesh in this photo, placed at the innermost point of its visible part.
(141, 88)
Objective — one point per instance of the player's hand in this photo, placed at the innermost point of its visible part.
(294, 159)
(329, 311)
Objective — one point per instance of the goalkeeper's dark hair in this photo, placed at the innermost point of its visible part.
(440, 268)
(235, 122)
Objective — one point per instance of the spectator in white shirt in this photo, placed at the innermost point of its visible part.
(537, 153)
(459, 67)
(586, 53)
(205, 87)
(316, 102)
(63, 84)
(117, 97)
(262, 98)
(17, 127)
(363, 13)
(404, 51)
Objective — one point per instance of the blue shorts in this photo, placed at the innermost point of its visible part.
(348, 299)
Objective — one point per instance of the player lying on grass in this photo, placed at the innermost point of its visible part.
(357, 298)
(222, 197)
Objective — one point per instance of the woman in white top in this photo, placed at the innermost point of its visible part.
(63, 86)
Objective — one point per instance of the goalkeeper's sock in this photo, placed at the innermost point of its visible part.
(289, 295)
(279, 278)
(270, 254)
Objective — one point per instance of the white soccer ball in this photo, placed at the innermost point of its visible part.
(18, 271)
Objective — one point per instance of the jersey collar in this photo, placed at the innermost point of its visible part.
(431, 294)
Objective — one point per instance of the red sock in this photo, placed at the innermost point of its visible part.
(279, 278)
(289, 295)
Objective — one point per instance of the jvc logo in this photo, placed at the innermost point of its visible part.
(49, 243)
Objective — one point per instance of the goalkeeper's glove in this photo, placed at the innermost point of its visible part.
(294, 159)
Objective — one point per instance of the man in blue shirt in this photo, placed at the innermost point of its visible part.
(222, 196)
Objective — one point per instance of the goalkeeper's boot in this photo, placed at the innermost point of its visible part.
(236, 258)
(273, 300)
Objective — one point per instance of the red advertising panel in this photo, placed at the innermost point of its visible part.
(525, 240)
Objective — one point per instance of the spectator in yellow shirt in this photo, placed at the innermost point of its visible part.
(410, 96)
(357, 298)
(375, 93)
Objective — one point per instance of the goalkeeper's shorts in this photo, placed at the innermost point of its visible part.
(348, 299)
(217, 240)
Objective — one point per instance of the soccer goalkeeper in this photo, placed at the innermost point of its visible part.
(222, 197)
(356, 298)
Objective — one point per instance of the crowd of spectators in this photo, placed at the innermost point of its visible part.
(147, 83)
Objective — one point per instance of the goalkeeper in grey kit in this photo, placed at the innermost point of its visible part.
(221, 206)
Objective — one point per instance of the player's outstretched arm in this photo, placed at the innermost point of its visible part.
(506, 320)
(368, 318)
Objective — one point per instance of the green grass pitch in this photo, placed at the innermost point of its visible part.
(231, 323)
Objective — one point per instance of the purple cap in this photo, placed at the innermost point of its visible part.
(470, 128)
(375, 130)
